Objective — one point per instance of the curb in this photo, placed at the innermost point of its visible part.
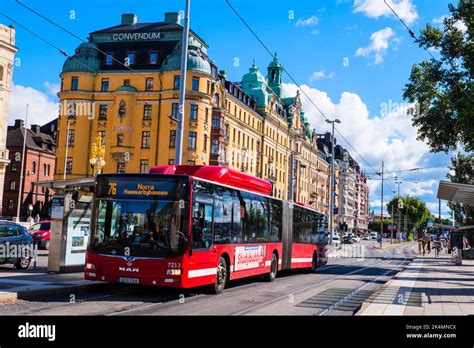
(31, 294)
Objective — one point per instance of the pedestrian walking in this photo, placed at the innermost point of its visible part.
(428, 245)
(423, 244)
(436, 245)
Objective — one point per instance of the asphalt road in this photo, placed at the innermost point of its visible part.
(338, 288)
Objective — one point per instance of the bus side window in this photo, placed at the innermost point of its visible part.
(202, 225)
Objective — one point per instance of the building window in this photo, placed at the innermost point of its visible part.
(193, 112)
(149, 84)
(126, 82)
(102, 112)
(120, 139)
(10, 204)
(215, 121)
(109, 58)
(69, 166)
(12, 185)
(192, 140)
(45, 169)
(214, 146)
(130, 60)
(174, 111)
(13, 167)
(105, 85)
(146, 139)
(147, 112)
(33, 167)
(171, 161)
(72, 109)
(195, 84)
(120, 168)
(176, 82)
(143, 166)
(206, 116)
(208, 87)
(74, 83)
(191, 163)
(172, 138)
(153, 57)
(71, 137)
(205, 143)
(49, 171)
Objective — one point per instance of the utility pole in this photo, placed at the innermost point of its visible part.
(22, 170)
(182, 87)
(381, 211)
(332, 184)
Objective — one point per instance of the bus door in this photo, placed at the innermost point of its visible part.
(203, 258)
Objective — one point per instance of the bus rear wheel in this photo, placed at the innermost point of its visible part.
(270, 276)
(221, 277)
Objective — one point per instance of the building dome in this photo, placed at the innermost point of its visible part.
(275, 63)
(197, 61)
(84, 60)
(253, 78)
(126, 89)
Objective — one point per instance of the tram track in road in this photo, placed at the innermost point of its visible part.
(348, 297)
(312, 286)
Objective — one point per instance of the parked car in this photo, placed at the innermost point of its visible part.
(13, 235)
(373, 235)
(366, 237)
(356, 238)
(348, 240)
(41, 233)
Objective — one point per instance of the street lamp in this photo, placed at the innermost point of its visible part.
(97, 159)
(331, 207)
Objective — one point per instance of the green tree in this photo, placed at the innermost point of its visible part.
(463, 167)
(414, 207)
(443, 89)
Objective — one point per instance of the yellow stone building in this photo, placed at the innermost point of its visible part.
(124, 83)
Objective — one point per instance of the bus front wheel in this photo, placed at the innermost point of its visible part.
(270, 276)
(221, 276)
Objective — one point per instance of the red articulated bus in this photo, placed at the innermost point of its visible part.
(187, 226)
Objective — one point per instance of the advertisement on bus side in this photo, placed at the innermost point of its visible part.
(247, 257)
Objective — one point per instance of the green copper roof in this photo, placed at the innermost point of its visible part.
(275, 63)
(254, 77)
(196, 60)
(84, 60)
(126, 89)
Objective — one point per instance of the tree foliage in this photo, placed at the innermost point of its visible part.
(443, 88)
(414, 207)
(463, 173)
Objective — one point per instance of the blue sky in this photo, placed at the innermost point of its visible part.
(352, 56)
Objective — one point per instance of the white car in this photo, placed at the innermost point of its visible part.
(366, 237)
(356, 238)
(336, 241)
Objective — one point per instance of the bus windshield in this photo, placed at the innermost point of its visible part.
(141, 227)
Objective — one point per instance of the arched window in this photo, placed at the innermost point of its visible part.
(49, 169)
(33, 167)
(2, 69)
(12, 185)
(44, 169)
(216, 99)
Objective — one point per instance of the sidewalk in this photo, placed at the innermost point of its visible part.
(427, 286)
(29, 284)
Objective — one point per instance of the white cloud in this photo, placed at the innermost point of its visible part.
(319, 75)
(377, 8)
(315, 32)
(41, 109)
(417, 189)
(388, 137)
(379, 43)
(307, 22)
(52, 88)
(458, 24)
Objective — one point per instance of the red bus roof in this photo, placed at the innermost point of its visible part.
(220, 175)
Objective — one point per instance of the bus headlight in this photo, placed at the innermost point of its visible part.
(175, 272)
(90, 266)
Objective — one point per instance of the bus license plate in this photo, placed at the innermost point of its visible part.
(127, 280)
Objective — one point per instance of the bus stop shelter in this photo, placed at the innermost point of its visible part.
(458, 193)
(70, 221)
